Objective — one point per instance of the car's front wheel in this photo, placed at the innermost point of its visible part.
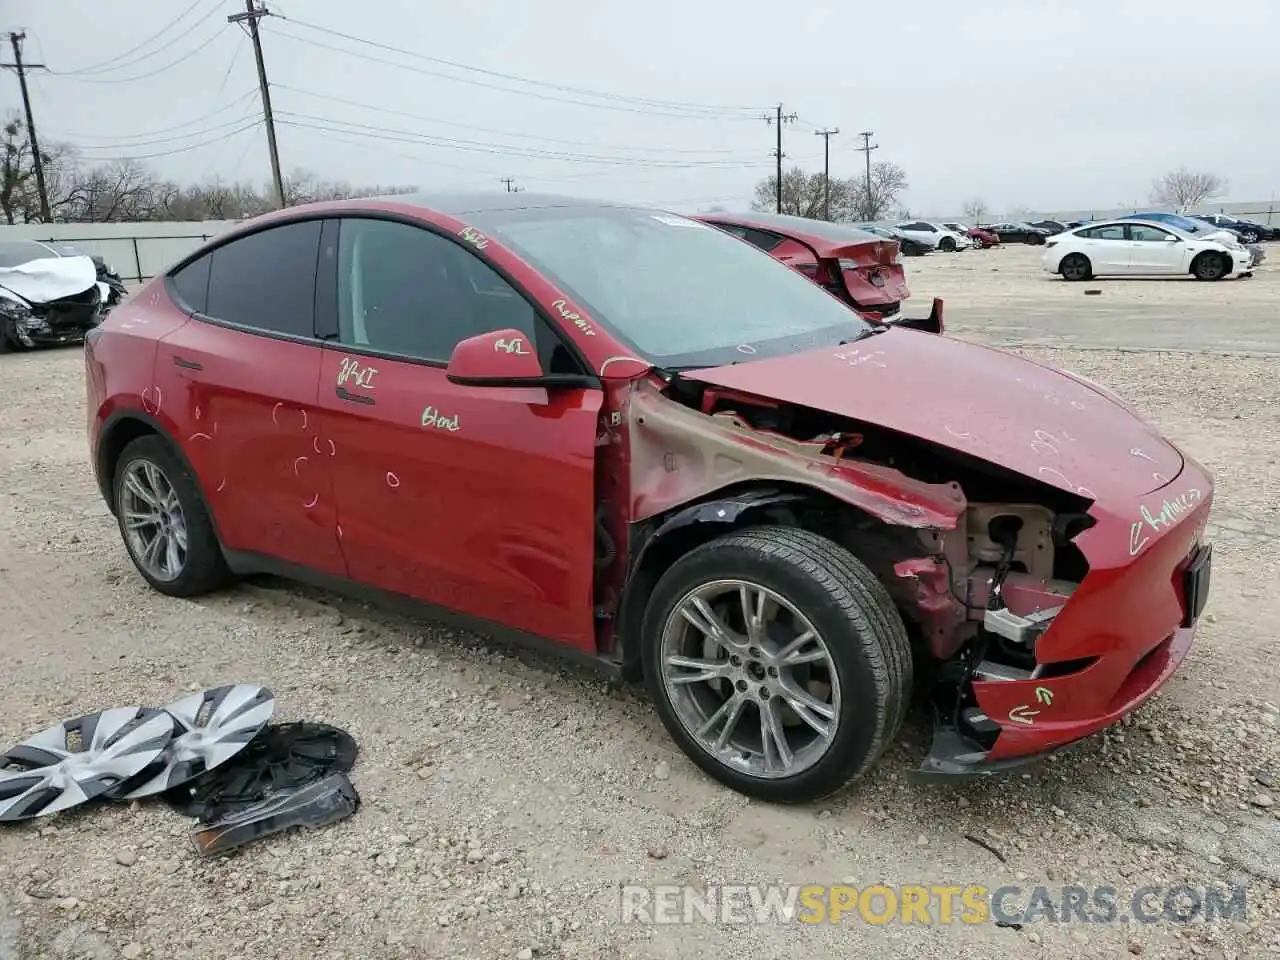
(948, 245)
(777, 662)
(163, 521)
(1210, 266)
(1249, 236)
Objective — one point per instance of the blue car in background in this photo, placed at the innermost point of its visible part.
(1201, 228)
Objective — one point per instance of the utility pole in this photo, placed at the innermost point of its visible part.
(509, 181)
(252, 15)
(779, 118)
(15, 39)
(866, 148)
(826, 136)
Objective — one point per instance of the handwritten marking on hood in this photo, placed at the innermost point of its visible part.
(1171, 510)
(618, 360)
(275, 413)
(1138, 452)
(296, 461)
(392, 480)
(1054, 471)
(315, 498)
(568, 313)
(959, 435)
(856, 357)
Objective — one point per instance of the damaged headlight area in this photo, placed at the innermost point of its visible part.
(65, 320)
(17, 322)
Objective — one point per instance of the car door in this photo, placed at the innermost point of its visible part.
(477, 499)
(239, 380)
(1107, 249)
(1153, 250)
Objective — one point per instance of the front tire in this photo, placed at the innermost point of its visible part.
(1075, 266)
(163, 521)
(777, 662)
(1249, 236)
(947, 245)
(1210, 266)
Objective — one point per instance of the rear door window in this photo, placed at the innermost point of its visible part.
(267, 280)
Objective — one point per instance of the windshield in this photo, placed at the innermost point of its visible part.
(678, 292)
(14, 253)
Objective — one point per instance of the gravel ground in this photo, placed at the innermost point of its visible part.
(507, 796)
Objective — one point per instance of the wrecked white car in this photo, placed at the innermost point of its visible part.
(46, 299)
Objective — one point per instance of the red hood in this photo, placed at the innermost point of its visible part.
(992, 405)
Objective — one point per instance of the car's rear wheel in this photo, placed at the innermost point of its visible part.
(777, 662)
(163, 521)
(1075, 266)
(1210, 266)
(978, 243)
(947, 245)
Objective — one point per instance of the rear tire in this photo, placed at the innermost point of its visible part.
(1076, 266)
(859, 646)
(199, 566)
(1210, 266)
(947, 245)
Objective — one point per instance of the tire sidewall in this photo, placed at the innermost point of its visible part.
(1072, 258)
(859, 717)
(156, 451)
(1210, 257)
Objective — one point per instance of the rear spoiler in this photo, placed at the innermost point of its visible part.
(930, 324)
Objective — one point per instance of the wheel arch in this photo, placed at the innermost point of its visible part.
(661, 540)
(121, 429)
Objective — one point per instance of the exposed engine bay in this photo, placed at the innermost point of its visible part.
(977, 558)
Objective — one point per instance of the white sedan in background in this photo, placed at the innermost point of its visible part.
(936, 234)
(1130, 247)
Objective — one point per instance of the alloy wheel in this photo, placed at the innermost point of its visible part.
(155, 526)
(750, 679)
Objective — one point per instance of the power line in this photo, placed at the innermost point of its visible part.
(119, 141)
(779, 118)
(104, 65)
(501, 133)
(492, 86)
(141, 76)
(582, 91)
(252, 14)
(183, 149)
(15, 41)
(826, 136)
(509, 181)
(475, 146)
(149, 143)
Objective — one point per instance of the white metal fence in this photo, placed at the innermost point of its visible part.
(137, 251)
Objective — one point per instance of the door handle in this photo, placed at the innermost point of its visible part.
(186, 364)
(345, 394)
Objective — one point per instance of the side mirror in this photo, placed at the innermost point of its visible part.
(504, 358)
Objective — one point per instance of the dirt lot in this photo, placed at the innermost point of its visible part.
(506, 797)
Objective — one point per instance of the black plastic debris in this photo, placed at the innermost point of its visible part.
(312, 805)
(281, 758)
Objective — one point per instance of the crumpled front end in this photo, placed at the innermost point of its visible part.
(64, 320)
(1055, 660)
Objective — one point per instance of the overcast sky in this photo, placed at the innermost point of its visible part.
(1041, 104)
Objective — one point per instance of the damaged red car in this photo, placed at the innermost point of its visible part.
(858, 267)
(629, 435)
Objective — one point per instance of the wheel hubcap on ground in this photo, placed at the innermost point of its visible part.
(750, 678)
(155, 526)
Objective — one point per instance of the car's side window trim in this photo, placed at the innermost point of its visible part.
(204, 317)
(540, 316)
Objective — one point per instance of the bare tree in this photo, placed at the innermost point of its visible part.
(19, 199)
(804, 195)
(1184, 188)
(975, 210)
(888, 180)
